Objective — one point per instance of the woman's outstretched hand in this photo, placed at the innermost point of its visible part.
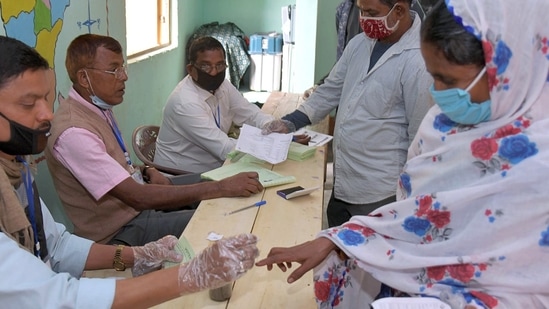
(308, 254)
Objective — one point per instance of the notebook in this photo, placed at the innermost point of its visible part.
(299, 152)
(317, 138)
(184, 248)
(267, 177)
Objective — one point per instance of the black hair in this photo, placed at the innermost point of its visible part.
(391, 3)
(202, 44)
(81, 52)
(16, 58)
(441, 29)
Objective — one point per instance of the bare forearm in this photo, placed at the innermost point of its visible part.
(153, 196)
(148, 290)
(169, 197)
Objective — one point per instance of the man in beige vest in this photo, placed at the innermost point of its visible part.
(103, 193)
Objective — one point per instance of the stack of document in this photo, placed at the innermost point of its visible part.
(299, 152)
(238, 156)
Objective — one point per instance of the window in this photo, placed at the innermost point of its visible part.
(150, 26)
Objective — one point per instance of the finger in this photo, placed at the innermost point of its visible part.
(253, 175)
(281, 266)
(247, 253)
(169, 241)
(276, 255)
(297, 274)
(254, 187)
(241, 240)
(247, 264)
(173, 256)
(257, 185)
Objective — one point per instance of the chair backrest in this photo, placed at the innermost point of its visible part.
(144, 146)
(144, 143)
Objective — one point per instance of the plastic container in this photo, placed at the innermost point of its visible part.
(221, 293)
(270, 43)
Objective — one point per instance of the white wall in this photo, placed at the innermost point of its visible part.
(315, 43)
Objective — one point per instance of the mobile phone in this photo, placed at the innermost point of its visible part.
(285, 192)
(295, 192)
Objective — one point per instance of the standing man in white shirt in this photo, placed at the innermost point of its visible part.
(381, 89)
(200, 112)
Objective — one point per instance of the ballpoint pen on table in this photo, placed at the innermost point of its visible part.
(250, 206)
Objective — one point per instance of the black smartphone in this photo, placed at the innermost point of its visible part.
(286, 192)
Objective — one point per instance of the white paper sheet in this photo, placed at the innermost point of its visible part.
(317, 138)
(272, 148)
(409, 303)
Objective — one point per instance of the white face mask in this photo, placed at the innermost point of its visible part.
(97, 101)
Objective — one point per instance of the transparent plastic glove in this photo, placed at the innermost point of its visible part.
(151, 256)
(278, 126)
(308, 92)
(226, 260)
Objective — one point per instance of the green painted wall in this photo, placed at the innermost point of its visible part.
(152, 80)
(249, 15)
(326, 38)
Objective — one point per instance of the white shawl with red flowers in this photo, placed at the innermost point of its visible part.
(472, 222)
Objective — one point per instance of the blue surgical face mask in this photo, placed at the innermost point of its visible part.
(97, 101)
(456, 104)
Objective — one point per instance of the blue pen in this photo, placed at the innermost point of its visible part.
(251, 206)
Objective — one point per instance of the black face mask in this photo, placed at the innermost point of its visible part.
(23, 140)
(209, 82)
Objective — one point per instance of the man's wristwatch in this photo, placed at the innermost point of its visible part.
(117, 262)
(145, 176)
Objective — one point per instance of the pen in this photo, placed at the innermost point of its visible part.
(244, 208)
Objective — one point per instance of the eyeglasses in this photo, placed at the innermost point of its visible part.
(119, 73)
(208, 68)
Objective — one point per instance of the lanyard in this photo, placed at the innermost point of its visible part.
(218, 118)
(118, 135)
(27, 180)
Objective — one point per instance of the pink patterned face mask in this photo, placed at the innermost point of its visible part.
(376, 27)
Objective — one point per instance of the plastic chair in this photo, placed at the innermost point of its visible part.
(144, 146)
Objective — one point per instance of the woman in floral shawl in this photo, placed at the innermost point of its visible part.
(471, 226)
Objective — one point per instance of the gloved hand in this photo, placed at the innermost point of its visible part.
(308, 92)
(226, 260)
(151, 256)
(278, 126)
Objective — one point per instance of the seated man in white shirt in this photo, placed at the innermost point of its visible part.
(200, 112)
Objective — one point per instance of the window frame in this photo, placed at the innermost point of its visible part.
(171, 27)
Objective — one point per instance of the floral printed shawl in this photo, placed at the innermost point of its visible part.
(471, 225)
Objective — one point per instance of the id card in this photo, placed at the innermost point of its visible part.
(136, 175)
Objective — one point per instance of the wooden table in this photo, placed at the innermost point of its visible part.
(278, 223)
(281, 103)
